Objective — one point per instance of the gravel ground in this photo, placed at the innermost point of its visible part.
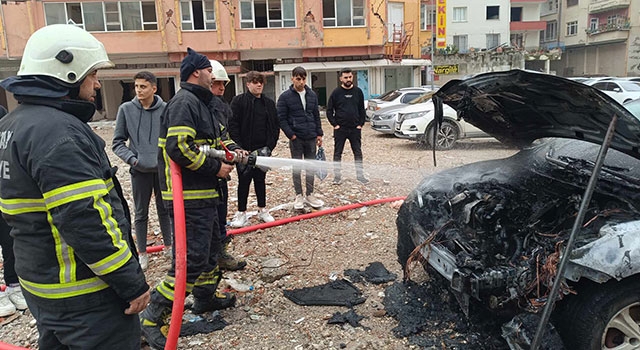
(312, 251)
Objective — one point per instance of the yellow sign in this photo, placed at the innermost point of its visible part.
(446, 69)
(441, 19)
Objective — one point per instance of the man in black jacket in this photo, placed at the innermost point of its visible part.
(73, 248)
(300, 121)
(345, 111)
(254, 126)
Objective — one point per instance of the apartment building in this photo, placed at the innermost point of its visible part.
(271, 36)
(598, 37)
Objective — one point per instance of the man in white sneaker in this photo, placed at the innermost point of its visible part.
(300, 121)
(254, 127)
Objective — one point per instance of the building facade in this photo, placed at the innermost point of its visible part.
(271, 36)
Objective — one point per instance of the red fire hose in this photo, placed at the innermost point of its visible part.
(180, 258)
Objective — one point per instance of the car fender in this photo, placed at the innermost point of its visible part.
(616, 254)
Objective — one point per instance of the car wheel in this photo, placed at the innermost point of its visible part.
(446, 138)
(604, 316)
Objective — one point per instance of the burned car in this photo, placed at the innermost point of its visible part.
(495, 230)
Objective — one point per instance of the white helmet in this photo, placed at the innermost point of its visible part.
(64, 52)
(218, 71)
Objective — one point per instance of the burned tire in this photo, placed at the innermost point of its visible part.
(446, 138)
(603, 316)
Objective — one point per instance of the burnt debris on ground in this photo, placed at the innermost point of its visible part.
(429, 316)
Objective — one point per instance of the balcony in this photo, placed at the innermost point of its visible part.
(621, 24)
(607, 5)
(522, 26)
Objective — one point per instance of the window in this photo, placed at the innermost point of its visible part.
(612, 20)
(572, 2)
(459, 14)
(343, 13)
(553, 5)
(197, 15)
(517, 40)
(551, 32)
(493, 40)
(267, 13)
(104, 16)
(427, 16)
(572, 28)
(461, 42)
(516, 14)
(493, 12)
(593, 24)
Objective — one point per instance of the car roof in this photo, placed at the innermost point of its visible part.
(519, 107)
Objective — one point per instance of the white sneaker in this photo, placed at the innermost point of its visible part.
(16, 297)
(265, 216)
(313, 201)
(239, 220)
(6, 306)
(144, 261)
(298, 203)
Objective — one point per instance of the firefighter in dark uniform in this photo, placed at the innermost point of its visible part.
(187, 125)
(72, 234)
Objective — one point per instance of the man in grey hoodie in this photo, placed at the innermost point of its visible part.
(138, 121)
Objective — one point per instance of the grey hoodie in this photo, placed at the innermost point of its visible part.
(142, 128)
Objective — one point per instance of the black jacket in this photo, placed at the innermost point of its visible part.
(296, 120)
(188, 123)
(72, 236)
(240, 124)
(346, 107)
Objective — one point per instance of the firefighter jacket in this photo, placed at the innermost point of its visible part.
(58, 191)
(188, 123)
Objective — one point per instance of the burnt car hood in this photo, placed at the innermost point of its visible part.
(518, 107)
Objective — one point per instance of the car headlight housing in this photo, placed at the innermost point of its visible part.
(412, 115)
(383, 116)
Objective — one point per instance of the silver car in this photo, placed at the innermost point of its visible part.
(384, 119)
(393, 97)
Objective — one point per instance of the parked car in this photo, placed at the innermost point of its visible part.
(417, 122)
(394, 97)
(633, 106)
(494, 231)
(383, 120)
(620, 90)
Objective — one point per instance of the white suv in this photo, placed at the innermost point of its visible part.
(416, 122)
(394, 97)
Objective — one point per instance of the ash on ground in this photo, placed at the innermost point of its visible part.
(429, 316)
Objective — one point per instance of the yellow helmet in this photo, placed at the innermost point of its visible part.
(64, 52)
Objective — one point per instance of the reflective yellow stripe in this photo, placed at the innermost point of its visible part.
(64, 254)
(180, 131)
(69, 193)
(64, 290)
(196, 159)
(112, 262)
(167, 163)
(17, 206)
(192, 194)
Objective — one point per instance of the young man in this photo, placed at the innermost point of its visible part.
(300, 121)
(254, 126)
(345, 112)
(72, 235)
(187, 124)
(223, 112)
(138, 121)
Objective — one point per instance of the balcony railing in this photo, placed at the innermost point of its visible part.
(619, 24)
(607, 5)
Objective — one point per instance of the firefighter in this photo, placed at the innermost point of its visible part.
(71, 228)
(187, 124)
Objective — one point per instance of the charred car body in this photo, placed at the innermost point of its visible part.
(496, 229)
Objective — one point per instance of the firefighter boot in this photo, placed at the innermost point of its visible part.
(154, 322)
(228, 262)
(217, 301)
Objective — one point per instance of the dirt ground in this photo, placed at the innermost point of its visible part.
(313, 251)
